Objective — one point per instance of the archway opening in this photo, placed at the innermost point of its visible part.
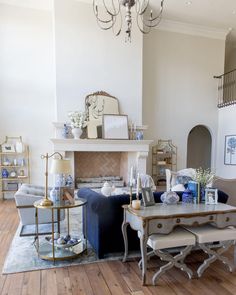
(199, 148)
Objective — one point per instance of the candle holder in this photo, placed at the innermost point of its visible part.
(130, 194)
(139, 186)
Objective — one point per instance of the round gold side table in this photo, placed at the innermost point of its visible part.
(52, 251)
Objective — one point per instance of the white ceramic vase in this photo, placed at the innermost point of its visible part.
(77, 132)
(106, 189)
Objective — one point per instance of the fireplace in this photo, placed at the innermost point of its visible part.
(102, 157)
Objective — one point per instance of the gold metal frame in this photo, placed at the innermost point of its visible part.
(78, 203)
(27, 165)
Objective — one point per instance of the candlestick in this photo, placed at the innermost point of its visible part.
(131, 176)
(138, 186)
(130, 195)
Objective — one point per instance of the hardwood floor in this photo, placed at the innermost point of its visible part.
(105, 277)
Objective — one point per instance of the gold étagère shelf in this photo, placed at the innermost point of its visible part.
(14, 165)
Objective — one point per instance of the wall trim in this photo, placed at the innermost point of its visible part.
(192, 29)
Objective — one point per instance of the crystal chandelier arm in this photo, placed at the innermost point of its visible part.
(103, 27)
(150, 23)
(148, 28)
(95, 10)
(120, 27)
(115, 13)
(140, 9)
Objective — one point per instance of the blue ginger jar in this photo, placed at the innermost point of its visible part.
(187, 196)
(5, 173)
(66, 131)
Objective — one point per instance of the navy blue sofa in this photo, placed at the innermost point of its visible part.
(105, 217)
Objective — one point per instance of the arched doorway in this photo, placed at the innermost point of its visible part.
(199, 148)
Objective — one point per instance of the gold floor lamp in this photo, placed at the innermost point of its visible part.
(58, 166)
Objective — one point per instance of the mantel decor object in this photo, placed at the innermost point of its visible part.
(59, 166)
(170, 198)
(78, 122)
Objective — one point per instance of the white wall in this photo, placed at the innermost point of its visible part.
(179, 91)
(26, 81)
(89, 59)
(227, 126)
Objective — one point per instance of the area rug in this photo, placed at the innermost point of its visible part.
(22, 255)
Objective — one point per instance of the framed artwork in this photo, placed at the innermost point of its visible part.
(230, 150)
(115, 127)
(8, 148)
(211, 196)
(147, 195)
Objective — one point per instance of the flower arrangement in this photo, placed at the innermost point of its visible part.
(204, 176)
(77, 119)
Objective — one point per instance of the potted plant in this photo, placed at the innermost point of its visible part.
(77, 121)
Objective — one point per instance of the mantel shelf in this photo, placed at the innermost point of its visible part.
(105, 145)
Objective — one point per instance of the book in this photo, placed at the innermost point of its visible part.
(194, 187)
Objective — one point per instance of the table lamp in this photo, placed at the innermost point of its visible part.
(59, 166)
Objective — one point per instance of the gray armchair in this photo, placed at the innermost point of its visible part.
(25, 198)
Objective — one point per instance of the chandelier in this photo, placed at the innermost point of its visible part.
(111, 16)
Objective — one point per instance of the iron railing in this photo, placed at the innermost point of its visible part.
(226, 89)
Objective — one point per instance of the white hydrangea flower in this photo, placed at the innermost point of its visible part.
(77, 119)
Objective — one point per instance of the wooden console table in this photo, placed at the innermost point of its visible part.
(162, 219)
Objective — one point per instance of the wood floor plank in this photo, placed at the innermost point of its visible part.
(96, 279)
(31, 283)
(111, 279)
(80, 284)
(49, 282)
(13, 285)
(117, 267)
(63, 281)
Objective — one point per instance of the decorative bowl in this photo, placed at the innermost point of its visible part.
(63, 246)
(170, 198)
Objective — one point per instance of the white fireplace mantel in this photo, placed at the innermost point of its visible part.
(136, 150)
(100, 145)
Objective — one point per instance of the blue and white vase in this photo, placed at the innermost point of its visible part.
(54, 195)
(66, 131)
(5, 173)
(187, 196)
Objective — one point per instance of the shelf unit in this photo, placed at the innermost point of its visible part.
(164, 156)
(16, 163)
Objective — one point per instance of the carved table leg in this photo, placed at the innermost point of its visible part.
(124, 232)
(143, 248)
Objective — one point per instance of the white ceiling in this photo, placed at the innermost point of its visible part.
(212, 13)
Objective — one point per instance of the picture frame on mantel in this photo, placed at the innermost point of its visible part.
(230, 150)
(115, 126)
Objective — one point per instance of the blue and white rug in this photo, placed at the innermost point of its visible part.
(22, 255)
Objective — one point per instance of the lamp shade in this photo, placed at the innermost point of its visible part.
(60, 166)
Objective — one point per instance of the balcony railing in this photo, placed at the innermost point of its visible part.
(226, 89)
